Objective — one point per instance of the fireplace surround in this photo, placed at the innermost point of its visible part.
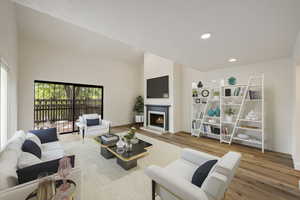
(157, 117)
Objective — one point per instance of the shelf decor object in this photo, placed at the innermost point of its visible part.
(231, 113)
(232, 80)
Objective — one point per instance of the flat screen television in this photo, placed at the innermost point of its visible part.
(158, 87)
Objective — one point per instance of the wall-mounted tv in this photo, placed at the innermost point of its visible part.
(158, 87)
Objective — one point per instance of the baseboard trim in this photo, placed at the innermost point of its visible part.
(297, 165)
(123, 126)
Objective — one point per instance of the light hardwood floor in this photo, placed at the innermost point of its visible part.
(260, 176)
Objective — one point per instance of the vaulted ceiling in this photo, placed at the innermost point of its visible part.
(45, 31)
(249, 30)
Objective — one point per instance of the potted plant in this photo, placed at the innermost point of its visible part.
(139, 109)
(194, 92)
(130, 138)
(229, 113)
(216, 95)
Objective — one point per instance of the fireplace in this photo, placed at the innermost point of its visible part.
(156, 120)
(157, 117)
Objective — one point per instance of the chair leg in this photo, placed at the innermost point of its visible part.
(153, 190)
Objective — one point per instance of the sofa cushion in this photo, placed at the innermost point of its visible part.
(202, 172)
(182, 168)
(27, 159)
(34, 138)
(91, 116)
(31, 147)
(51, 146)
(52, 155)
(46, 135)
(15, 143)
(93, 122)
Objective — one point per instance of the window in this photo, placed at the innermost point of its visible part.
(60, 104)
(3, 103)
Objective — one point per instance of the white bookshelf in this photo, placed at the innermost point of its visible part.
(246, 100)
(208, 124)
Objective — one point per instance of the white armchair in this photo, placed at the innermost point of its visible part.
(92, 131)
(174, 181)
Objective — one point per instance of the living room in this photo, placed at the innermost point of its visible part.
(62, 63)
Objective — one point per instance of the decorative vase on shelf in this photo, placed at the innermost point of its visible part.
(210, 112)
(252, 116)
(232, 81)
(217, 112)
(200, 85)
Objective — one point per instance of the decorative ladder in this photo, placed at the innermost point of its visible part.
(238, 118)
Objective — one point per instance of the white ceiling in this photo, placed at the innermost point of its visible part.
(50, 32)
(249, 30)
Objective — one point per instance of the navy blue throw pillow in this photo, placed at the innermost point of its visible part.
(92, 122)
(31, 147)
(46, 135)
(202, 172)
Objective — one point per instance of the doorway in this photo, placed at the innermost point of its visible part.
(58, 104)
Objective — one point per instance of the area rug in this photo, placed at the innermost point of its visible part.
(104, 179)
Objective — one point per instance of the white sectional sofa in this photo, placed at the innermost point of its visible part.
(174, 181)
(12, 158)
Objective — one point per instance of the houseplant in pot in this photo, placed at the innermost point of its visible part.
(229, 113)
(139, 109)
(130, 138)
(216, 95)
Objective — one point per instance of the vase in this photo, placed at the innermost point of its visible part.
(211, 112)
(134, 141)
(120, 146)
(128, 147)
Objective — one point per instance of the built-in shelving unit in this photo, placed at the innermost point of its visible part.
(232, 113)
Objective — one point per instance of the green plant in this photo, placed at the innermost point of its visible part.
(229, 111)
(139, 105)
(130, 135)
(216, 93)
(195, 93)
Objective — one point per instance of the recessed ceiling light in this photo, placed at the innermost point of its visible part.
(232, 60)
(205, 36)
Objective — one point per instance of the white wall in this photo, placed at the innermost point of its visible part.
(278, 97)
(42, 61)
(8, 51)
(156, 66)
(296, 137)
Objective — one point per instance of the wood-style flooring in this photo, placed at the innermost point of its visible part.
(261, 176)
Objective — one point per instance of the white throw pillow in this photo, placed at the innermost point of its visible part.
(34, 138)
(8, 166)
(27, 159)
(15, 143)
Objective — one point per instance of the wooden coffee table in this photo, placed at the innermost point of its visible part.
(126, 160)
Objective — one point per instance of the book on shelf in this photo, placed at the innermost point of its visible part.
(254, 94)
(237, 91)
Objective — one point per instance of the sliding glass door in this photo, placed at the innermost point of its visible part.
(87, 99)
(60, 104)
